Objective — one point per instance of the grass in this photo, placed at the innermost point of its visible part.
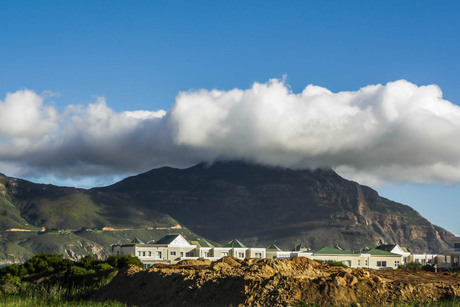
(56, 295)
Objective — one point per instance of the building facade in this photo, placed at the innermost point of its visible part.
(174, 248)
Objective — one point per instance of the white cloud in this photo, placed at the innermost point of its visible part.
(378, 134)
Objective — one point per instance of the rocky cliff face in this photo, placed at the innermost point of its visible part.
(263, 205)
(268, 282)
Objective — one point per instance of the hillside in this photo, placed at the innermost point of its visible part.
(38, 218)
(263, 205)
(257, 204)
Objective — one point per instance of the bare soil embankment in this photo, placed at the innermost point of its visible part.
(267, 282)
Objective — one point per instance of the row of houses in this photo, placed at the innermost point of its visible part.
(174, 248)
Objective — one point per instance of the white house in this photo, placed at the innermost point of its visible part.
(454, 252)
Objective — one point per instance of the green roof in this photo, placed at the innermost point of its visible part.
(235, 244)
(379, 252)
(199, 242)
(331, 251)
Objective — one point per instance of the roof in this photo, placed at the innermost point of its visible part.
(137, 240)
(167, 239)
(331, 251)
(274, 248)
(199, 242)
(406, 250)
(379, 252)
(301, 248)
(235, 244)
(386, 247)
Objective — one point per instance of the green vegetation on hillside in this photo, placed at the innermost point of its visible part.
(53, 280)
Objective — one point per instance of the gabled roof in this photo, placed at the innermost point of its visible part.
(379, 252)
(173, 240)
(301, 248)
(331, 251)
(406, 250)
(137, 240)
(274, 248)
(386, 247)
(235, 244)
(200, 242)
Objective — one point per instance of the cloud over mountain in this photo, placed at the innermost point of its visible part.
(377, 134)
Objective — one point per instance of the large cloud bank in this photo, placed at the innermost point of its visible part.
(376, 135)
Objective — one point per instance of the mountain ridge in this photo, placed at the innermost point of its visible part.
(257, 204)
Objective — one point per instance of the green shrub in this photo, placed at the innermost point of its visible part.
(14, 269)
(121, 261)
(411, 266)
(103, 267)
(10, 279)
(332, 263)
(76, 271)
(88, 262)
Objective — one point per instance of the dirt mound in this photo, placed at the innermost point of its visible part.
(268, 282)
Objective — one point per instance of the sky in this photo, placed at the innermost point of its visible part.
(94, 91)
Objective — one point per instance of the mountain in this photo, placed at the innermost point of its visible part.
(45, 218)
(257, 204)
(262, 205)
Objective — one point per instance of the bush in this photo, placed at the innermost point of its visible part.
(121, 261)
(14, 270)
(10, 279)
(103, 267)
(76, 271)
(88, 262)
(429, 267)
(332, 263)
(411, 266)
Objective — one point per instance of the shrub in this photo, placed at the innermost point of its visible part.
(103, 267)
(332, 263)
(121, 261)
(75, 271)
(88, 262)
(10, 279)
(411, 266)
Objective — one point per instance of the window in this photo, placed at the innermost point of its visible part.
(158, 255)
(456, 245)
(258, 255)
(190, 254)
(224, 254)
(172, 253)
(240, 255)
(149, 253)
(141, 253)
(381, 263)
(205, 254)
(359, 262)
(182, 254)
(366, 263)
(396, 263)
(118, 253)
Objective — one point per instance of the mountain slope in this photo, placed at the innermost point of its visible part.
(262, 205)
(45, 218)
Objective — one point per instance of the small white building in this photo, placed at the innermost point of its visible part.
(454, 252)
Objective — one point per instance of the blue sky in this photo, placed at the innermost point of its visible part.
(139, 55)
